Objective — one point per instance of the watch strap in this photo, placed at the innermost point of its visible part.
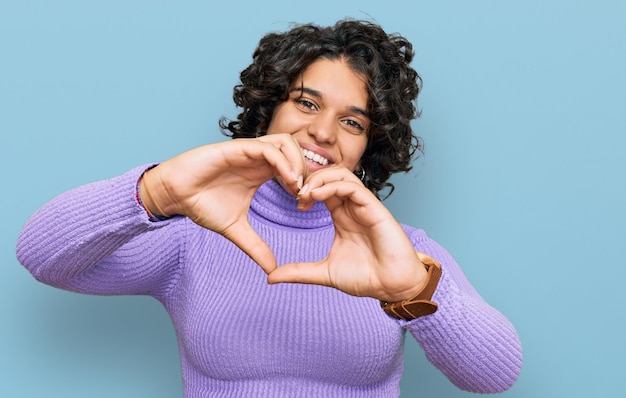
(421, 304)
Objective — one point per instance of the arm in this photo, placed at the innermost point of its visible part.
(97, 239)
(469, 341)
(373, 255)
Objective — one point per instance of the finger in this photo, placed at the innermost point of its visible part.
(321, 178)
(330, 174)
(268, 154)
(335, 192)
(256, 161)
(309, 273)
(292, 152)
(242, 235)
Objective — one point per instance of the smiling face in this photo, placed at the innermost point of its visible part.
(326, 114)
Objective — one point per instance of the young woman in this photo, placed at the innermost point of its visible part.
(283, 272)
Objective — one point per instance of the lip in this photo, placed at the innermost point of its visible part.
(318, 150)
(313, 166)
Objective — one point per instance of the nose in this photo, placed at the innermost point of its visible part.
(323, 128)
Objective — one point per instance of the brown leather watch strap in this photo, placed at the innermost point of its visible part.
(421, 304)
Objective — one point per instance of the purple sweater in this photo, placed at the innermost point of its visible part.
(239, 336)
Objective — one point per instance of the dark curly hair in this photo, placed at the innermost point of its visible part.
(382, 58)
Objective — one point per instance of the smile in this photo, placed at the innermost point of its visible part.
(315, 157)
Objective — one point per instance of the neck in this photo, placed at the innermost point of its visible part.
(274, 204)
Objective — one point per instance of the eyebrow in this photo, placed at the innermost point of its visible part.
(319, 95)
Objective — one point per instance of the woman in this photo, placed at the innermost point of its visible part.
(293, 198)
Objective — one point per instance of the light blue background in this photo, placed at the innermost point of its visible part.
(522, 180)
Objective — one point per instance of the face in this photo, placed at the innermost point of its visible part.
(326, 114)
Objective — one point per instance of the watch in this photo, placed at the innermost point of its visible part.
(421, 304)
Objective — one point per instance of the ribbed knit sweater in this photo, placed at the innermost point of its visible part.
(241, 337)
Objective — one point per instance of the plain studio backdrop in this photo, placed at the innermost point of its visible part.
(522, 179)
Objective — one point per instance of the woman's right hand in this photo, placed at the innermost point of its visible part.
(213, 186)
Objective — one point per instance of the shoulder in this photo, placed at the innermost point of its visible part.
(416, 235)
(422, 242)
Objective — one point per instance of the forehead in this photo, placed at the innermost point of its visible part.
(334, 79)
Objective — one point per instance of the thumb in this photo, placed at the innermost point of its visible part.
(310, 273)
(246, 238)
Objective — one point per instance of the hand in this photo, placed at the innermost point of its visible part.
(213, 185)
(371, 254)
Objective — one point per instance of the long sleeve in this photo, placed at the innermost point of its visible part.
(240, 336)
(468, 340)
(97, 239)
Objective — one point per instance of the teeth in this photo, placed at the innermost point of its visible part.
(315, 157)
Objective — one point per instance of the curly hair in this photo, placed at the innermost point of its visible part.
(392, 85)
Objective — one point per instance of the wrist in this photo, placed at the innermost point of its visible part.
(146, 200)
(420, 304)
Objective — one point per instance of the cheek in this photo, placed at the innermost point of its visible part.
(272, 129)
(355, 150)
(281, 121)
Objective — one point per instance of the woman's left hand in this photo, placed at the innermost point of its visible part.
(371, 254)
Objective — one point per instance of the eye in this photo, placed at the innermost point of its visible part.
(306, 104)
(354, 124)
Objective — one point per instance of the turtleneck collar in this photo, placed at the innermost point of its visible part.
(271, 202)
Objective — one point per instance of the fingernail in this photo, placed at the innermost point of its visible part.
(303, 190)
(300, 182)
